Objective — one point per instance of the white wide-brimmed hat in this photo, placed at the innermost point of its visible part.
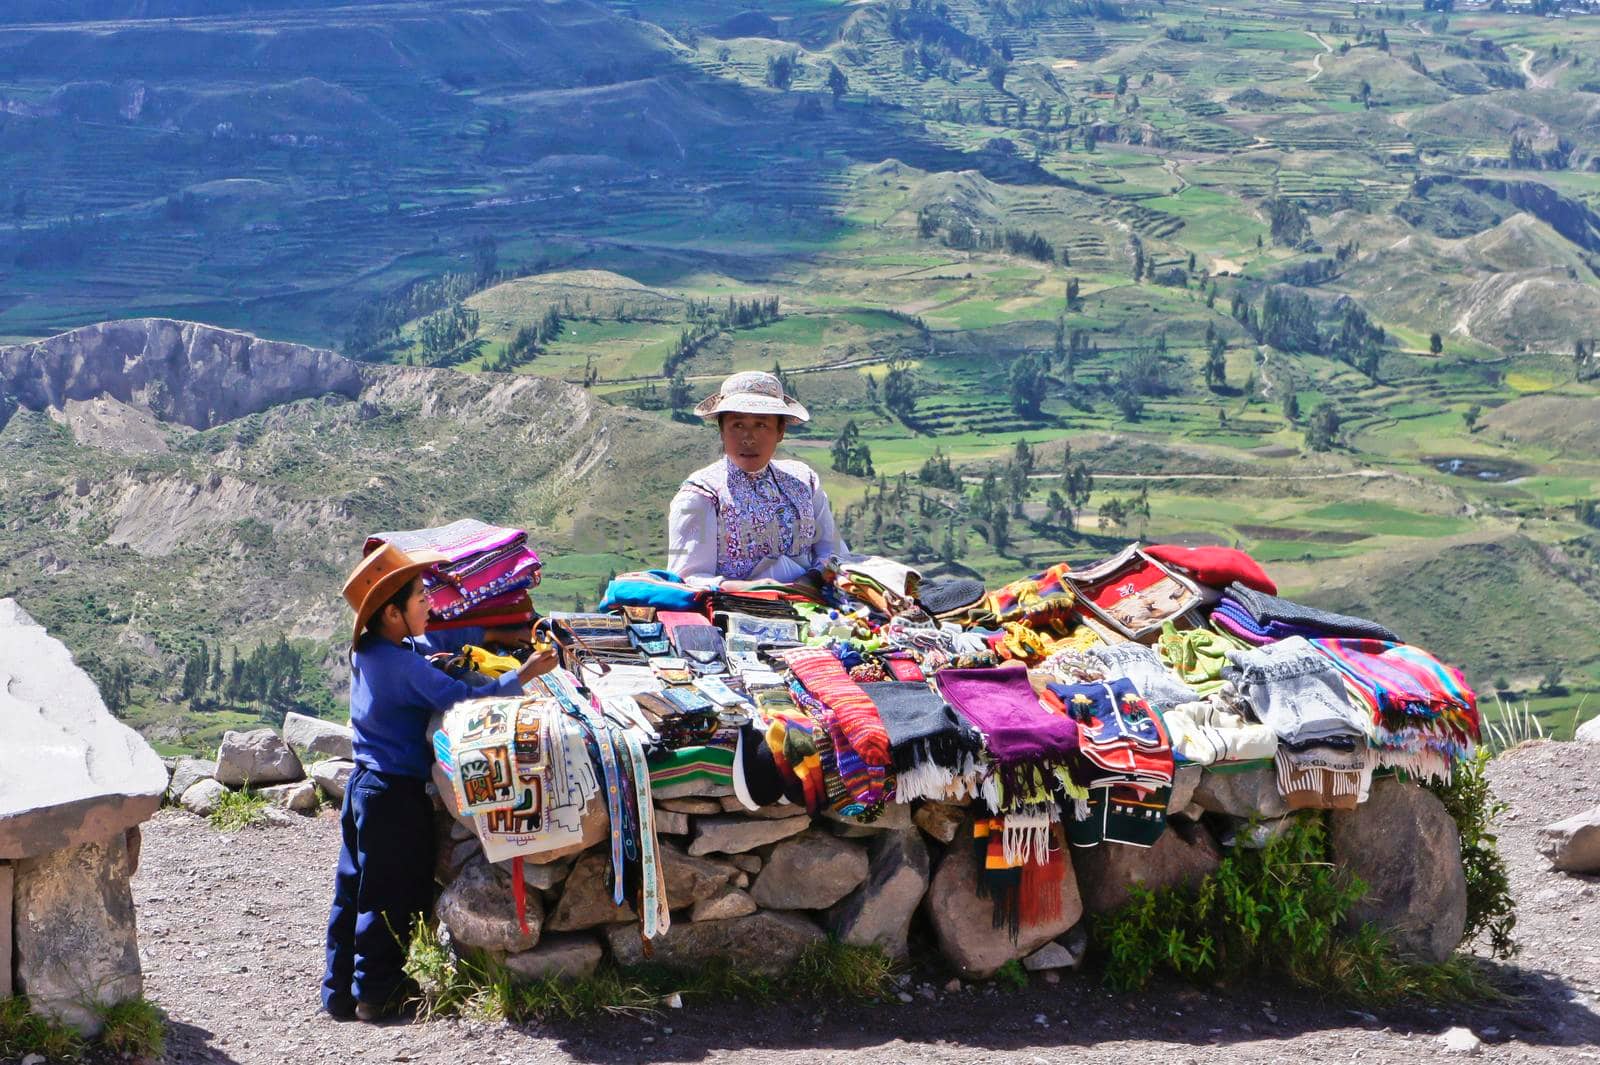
(752, 392)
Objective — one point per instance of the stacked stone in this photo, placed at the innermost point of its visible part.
(296, 771)
(756, 888)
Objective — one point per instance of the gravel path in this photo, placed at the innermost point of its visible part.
(231, 933)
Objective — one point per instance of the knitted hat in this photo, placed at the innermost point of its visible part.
(752, 392)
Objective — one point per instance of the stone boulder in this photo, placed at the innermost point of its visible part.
(76, 943)
(559, 956)
(333, 776)
(202, 797)
(766, 943)
(730, 903)
(731, 834)
(811, 871)
(1573, 845)
(940, 820)
(586, 902)
(964, 922)
(1589, 731)
(187, 772)
(256, 758)
(70, 773)
(479, 911)
(1403, 844)
(1184, 855)
(313, 738)
(298, 798)
(1245, 793)
(879, 912)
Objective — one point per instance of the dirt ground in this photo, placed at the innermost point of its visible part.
(231, 935)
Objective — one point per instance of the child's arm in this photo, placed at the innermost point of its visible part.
(437, 690)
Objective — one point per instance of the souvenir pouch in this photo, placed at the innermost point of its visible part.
(688, 700)
(701, 646)
(1134, 595)
(762, 630)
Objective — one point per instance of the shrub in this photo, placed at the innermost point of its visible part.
(1491, 909)
(1275, 912)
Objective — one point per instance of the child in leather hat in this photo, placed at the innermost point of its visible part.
(385, 876)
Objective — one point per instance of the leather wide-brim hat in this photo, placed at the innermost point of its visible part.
(752, 392)
(377, 579)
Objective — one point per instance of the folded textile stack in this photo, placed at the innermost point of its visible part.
(1126, 766)
(1425, 717)
(1258, 618)
(483, 576)
(1031, 750)
(1323, 758)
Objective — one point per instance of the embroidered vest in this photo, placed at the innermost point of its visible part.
(769, 515)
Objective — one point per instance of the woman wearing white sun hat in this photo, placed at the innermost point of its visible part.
(749, 516)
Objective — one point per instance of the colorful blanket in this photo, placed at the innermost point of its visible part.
(934, 754)
(1030, 747)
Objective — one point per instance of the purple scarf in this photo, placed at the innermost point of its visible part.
(1018, 731)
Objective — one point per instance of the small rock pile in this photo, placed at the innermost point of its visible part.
(757, 887)
(295, 771)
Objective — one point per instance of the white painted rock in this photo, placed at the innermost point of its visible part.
(1589, 731)
(1460, 1041)
(312, 737)
(202, 797)
(70, 773)
(256, 758)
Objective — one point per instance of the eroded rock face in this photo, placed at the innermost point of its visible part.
(964, 922)
(76, 939)
(766, 943)
(256, 758)
(1185, 854)
(70, 773)
(879, 912)
(195, 375)
(1404, 845)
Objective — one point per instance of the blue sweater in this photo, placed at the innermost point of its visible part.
(393, 692)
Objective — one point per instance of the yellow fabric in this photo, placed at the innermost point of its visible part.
(488, 663)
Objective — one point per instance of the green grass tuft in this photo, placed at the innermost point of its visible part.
(23, 1033)
(238, 809)
(1012, 975)
(475, 986)
(135, 1028)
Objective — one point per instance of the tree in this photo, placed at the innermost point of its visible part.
(1138, 259)
(1072, 293)
(1291, 406)
(1112, 513)
(1026, 381)
(838, 84)
(999, 530)
(850, 455)
(1471, 416)
(997, 72)
(781, 69)
(1122, 84)
(1322, 431)
(900, 389)
(1216, 372)
(678, 393)
(1435, 343)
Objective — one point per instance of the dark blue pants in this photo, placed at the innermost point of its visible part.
(384, 882)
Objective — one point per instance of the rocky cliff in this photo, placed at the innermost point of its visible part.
(181, 372)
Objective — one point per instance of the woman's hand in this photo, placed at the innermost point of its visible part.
(538, 664)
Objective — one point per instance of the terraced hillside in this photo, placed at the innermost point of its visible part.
(1315, 278)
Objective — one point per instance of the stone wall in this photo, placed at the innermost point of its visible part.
(759, 886)
(74, 786)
